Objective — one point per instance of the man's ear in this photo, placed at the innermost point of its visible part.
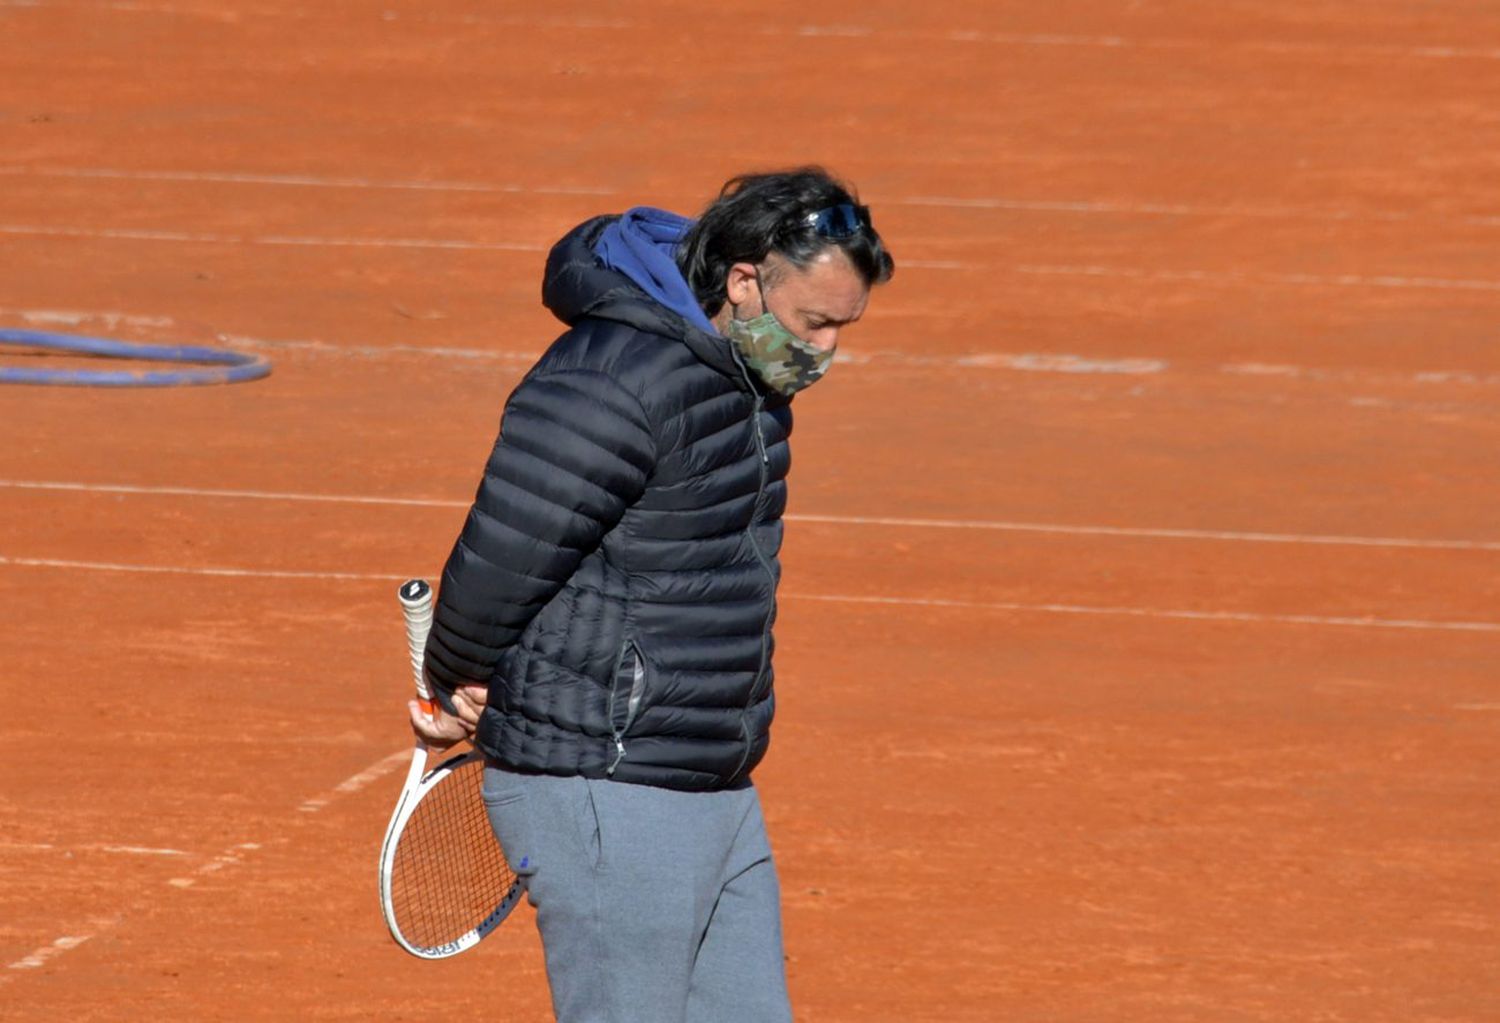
(739, 285)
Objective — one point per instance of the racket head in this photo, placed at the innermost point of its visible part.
(444, 880)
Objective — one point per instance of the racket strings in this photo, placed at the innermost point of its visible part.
(448, 873)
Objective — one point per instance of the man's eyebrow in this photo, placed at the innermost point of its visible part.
(828, 318)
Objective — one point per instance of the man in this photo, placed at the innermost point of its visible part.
(603, 627)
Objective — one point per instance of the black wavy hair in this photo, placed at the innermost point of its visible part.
(757, 214)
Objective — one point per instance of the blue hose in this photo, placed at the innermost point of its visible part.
(219, 366)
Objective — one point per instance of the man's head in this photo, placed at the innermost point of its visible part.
(796, 244)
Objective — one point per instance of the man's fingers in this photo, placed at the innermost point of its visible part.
(440, 732)
(469, 702)
(420, 723)
(443, 731)
(471, 696)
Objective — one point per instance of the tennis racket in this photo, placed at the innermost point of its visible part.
(444, 882)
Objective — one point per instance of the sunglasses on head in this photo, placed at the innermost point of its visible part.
(838, 222)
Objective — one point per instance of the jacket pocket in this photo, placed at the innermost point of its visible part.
(628, 693)
(508, 806)
(632, 681)
(590, 827)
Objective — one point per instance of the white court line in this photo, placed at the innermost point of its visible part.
(849, 520)
(261, 495)
(1160, 43)
(1160, 209)
(1165, 534)
(1134, 273)
(301, 181)
(76, 318)
(1026, 362)
(250, 573)
(442, 351)
(1143, 612)
(1237, 277)
(210, 238)
(56, 947)
(229, 857)
(125, 850)
(1033, 362)
(354, 783)
(307, 14)
(1073, 609)
(1085, 207)
(815, 31)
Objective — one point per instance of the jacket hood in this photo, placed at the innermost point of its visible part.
(642, 245)
(622, 268)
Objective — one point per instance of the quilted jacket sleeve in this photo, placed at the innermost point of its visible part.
(574, 452)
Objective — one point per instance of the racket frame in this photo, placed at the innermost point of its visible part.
(419, 785)
(416, 605)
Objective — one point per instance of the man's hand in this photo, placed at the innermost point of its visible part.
(446, 729)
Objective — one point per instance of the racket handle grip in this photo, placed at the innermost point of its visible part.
(416, 606)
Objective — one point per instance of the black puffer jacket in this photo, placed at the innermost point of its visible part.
(615, 580)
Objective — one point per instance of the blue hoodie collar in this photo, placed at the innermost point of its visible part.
(642, 245)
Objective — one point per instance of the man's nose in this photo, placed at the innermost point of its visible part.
(824, 338)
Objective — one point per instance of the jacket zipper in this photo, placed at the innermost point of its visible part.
(632, 703)
(765, 629)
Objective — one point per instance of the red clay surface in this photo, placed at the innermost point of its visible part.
(1137, 655)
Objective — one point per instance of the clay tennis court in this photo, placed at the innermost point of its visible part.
(1138, 645)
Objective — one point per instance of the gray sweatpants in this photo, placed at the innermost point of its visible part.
(654, 906)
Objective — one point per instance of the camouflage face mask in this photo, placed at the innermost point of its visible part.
(782, 360)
